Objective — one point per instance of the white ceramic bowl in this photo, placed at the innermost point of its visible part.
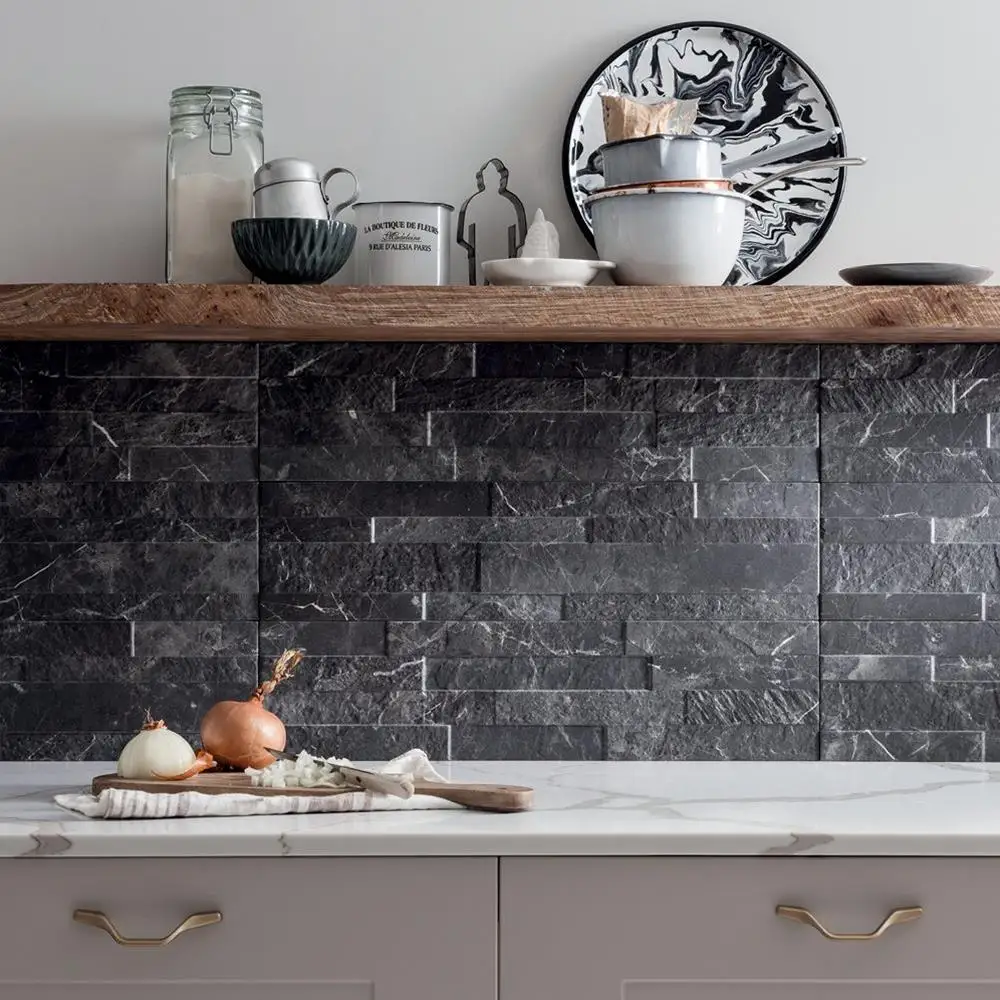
(669, 236)
(661, 158)
(556, 272)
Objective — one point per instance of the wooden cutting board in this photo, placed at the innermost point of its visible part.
(489, 798)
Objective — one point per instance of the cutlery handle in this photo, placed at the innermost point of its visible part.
(780, 153)
(805, 168)
(487, 798)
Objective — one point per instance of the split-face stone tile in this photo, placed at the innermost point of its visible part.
(344, 638)
(161, 360)
(640, 568)
(905, 465)
(736, 671)
(335, 429)
(356, 464)
(781, 399)
(923, 747)
(889, 569)
(709, 530)
(308, 392)
(879, 396)
(503, 395)
(376, 741)
(527, 743)
(711, 430)
(751, 707)
(767, 465)
(860, 705)
(671, 741)
(910, 361)
(725, 360)
(859, 530)
(735, 500)
(343, 607)
(494, 607)
(286, 362)
(505, 638)
(542, 430)
(901, 607)
(539, 673)
(878, 668)
(479, 529)
(207, 464)
(879, 638)
(590, 466)
(731, 638)
(749, 605)
(421, 499)
(512, 499)
(321, 567)
(923, 432)
(910, 500)
(572, 360)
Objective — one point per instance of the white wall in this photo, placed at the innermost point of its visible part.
(415, 94)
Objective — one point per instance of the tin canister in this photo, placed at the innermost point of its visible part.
(403, 242)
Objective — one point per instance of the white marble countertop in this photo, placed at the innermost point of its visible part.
(581, 809)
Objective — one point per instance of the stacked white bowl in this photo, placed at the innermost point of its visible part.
(667, 215)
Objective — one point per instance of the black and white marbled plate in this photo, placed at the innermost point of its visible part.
(754, 93)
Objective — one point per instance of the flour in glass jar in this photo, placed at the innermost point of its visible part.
(202, 208)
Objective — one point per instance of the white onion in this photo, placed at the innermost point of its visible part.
(155, 752)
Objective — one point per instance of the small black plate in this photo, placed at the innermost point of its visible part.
(916, 274)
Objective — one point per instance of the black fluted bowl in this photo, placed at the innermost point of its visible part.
(293, 251)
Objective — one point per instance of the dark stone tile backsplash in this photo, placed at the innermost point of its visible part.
(576, 551)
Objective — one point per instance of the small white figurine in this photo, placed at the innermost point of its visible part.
(542, 240)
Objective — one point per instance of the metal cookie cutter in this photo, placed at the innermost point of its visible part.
(516, 234)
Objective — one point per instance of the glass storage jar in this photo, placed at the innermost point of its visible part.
(215, 146)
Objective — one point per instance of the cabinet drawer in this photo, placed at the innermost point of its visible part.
(190, 991)
(377, 921)
(602, 923)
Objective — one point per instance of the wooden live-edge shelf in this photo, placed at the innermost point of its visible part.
(330, 313)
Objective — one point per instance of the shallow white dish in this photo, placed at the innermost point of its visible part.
(557, 272)
(669, 236)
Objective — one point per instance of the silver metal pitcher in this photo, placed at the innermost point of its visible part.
(290, 188)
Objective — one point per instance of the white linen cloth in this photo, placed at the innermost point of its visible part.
(127, 803)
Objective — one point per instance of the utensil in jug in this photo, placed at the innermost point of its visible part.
(805, 168)
(781, 152)
(290, 188)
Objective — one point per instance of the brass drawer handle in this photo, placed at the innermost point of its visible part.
(94, 918)
(901, 915)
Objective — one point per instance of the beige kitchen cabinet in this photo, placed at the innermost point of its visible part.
(296, 929)
(707, 928)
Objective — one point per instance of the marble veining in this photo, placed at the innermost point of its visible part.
(585, 809)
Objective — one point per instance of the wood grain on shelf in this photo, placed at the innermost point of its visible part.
(275, 312)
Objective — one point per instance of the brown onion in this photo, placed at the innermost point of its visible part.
(236, 732)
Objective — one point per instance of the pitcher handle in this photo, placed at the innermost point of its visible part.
(354, 195)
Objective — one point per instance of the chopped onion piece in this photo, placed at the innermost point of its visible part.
(305, 771)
